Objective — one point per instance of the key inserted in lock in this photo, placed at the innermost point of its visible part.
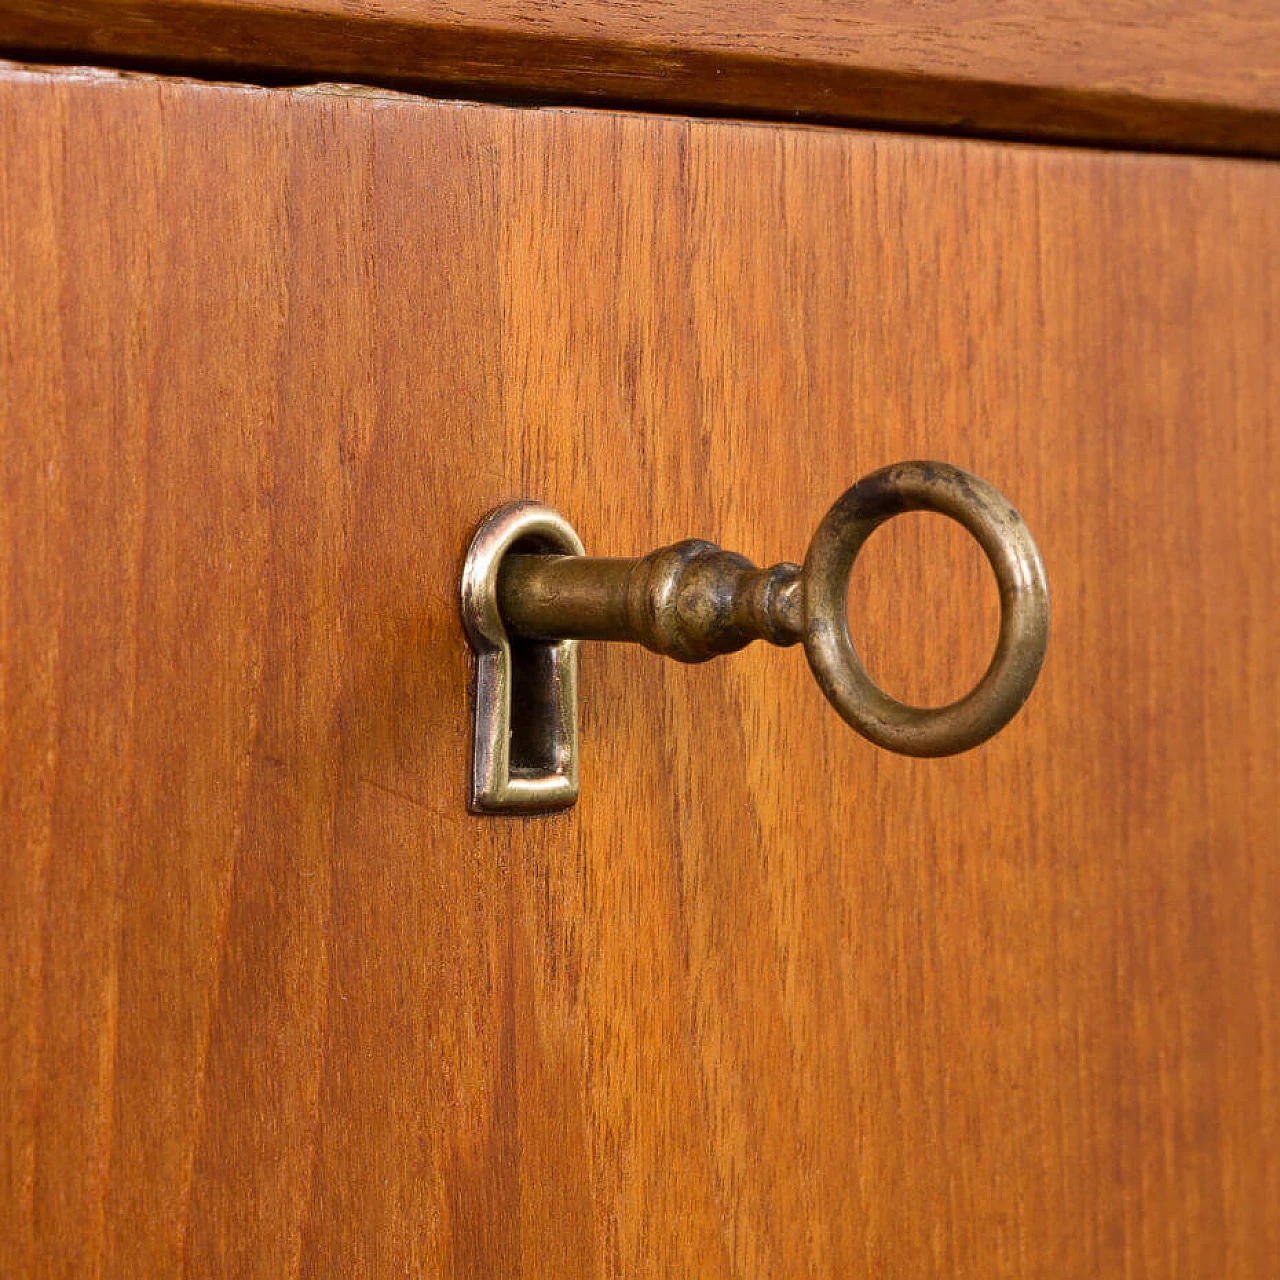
(529, 594)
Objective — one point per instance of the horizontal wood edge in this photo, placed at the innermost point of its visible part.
(270, 45)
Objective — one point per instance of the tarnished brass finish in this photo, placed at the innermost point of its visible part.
(692, 601)
(524, 755)
(1024, 609)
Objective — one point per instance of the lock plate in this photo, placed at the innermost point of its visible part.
(524, 756)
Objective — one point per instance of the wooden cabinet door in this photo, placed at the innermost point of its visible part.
(768, 1002)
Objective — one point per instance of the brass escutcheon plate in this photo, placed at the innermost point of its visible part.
(524, 755)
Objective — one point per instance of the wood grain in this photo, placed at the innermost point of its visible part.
(1169, 74)
(768, 1002)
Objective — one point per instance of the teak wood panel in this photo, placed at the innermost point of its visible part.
(1159, 73)
(768, 1002)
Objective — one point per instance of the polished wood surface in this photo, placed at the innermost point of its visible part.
(1170, 74)
(768, 1002)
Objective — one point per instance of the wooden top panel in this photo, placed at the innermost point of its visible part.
(768, 1004)
(1166, 73)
